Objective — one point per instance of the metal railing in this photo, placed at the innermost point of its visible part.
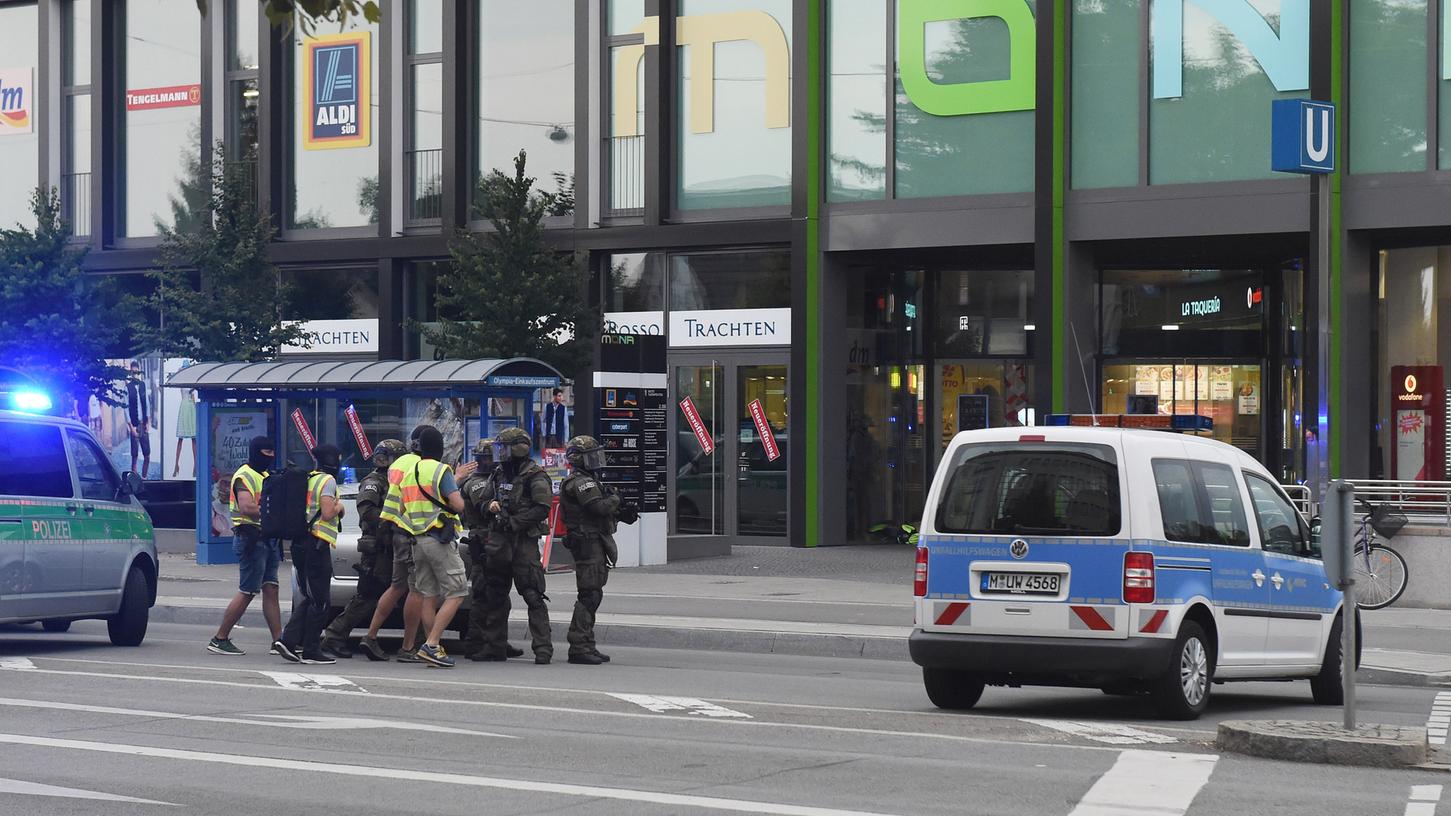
(75, 198)
(1300, 496)
(425, 184)
(627, 175)
(1428, 502)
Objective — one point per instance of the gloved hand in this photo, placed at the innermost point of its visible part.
(628, 514)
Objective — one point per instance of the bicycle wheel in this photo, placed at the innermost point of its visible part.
(1380, 578)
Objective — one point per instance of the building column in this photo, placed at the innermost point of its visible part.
(1051, 340)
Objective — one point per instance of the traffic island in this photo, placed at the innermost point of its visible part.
(1376, 746)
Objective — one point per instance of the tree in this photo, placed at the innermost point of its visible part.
(60, 322)
(285, 13)
(506, 293)
(219, 295)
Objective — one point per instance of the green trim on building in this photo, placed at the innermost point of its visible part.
(1060, 162)
(815, 138)
(1336, 397)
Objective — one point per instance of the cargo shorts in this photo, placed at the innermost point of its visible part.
(402, 560)
(438, 569)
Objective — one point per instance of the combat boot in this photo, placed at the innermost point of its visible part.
(602, 656)
(587, 659)
(337, 647)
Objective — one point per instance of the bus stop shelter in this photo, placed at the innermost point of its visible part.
(351, 404)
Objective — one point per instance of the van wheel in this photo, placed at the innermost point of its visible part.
(55, 625)
(1182, 692)
(952, 690)
(1326, 686)
(128, 626)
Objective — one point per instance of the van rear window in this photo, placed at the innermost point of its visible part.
(35, 461)
(1032, 489)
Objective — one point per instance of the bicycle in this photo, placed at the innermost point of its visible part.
(1380, 572)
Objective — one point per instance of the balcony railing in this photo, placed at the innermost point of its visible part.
(75, 202)
(627, 175)
(424, 169)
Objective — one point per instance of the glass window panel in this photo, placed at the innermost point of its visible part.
(699, 482)
(75, 188)
(1025, 490)
(1280, 524)
(1105, 98)
(425, 26)
(627, 151)
(625, 15)
(335, 187)
(734, 130)
(1443, 159)
(35, 461)
(19, 152)
(983, 313)
(242, 99)
(761, 486)
(1178, 503)
(97, 478)
(164, 171)
(945, 155)
(634, 282)
(1387, 83)
(526, 91)
(976, 394)
(331, 294)
(424, 167)
(857, 99)
(242, 35)
(1222, 82)
(1226, 506)
(731, 280)
(76, 31)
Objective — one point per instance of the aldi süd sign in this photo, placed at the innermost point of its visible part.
(16, 105)
(337, 93)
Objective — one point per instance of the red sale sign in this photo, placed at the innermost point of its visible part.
(359, 435)
(305, 432)
(692, 416)
(768, 438)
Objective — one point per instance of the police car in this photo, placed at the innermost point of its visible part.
(74, 541)
(1131, 560)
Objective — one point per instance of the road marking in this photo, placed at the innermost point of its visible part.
(1106, 732)
(1148, 783)
(309, 722)
(1440, 719)
(20, 788)
(1423, 800)
(661, 704)
(315, 682)
(363, 771)
(455, 703)
(16, 663)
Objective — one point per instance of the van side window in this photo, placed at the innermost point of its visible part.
(35, 461)
(1037, 489)
(1200, 503)
(98, 479)
(1280, 524)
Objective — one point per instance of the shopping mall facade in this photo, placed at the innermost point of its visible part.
(881, 221)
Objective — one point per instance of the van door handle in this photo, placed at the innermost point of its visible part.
(89, 508)
(72, 508)
(1259, 578)
(1277, 580)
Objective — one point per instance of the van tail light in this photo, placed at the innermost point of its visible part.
(919, 576)
(1138, 577)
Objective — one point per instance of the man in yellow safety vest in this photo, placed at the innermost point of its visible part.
(257, 559)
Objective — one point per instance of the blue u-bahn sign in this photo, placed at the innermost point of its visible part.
(1302, 136)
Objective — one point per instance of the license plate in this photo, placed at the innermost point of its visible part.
(1022, 583)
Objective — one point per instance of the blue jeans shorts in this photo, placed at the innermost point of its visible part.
(257, 559)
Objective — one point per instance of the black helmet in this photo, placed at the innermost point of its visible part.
(329, 459)
(586, 453)
(413, 437)
(512, 443)
(430, 442)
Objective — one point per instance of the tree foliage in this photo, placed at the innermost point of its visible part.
(304, 15)
(506, 293)
(218, 294)
(60, 323)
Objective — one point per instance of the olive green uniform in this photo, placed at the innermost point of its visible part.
(375, 558)
(477, 491)
(591, 513)
(512, 553)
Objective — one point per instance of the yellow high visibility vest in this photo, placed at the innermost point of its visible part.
(325, 530)
(252, 480)
(420, 513)
(393, 502)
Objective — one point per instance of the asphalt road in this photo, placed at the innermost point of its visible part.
(88, 728)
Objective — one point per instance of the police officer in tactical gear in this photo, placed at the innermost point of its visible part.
(375, 553)
(592, 511)
(522, 497)
(479, 491)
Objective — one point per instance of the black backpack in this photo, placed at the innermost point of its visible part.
(284, 505)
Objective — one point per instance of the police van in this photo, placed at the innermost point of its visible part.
(74, 541)
(1131, 560)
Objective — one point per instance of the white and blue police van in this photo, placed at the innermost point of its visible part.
(1130, 560)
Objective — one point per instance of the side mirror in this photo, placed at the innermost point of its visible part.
(132, 483)
(1315, 534)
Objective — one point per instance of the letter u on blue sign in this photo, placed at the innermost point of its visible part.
(1302, 136)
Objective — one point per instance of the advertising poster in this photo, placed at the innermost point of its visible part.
(232, 431)
(178, 425)
(1410, 445)
(130, 430)
(335, 110)
(17, 94)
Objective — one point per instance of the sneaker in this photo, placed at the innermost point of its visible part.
(285, 652)
(318, 659)
(435, 656)
(486, 657)
(405, 656)
(337, 647)
(372, 650)
(224, 646)
(586, 659)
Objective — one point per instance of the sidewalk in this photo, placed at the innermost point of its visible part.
(829, 602)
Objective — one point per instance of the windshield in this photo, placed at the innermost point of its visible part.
(1031, 489)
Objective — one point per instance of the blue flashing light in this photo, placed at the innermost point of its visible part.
(30, 402)
(1189, 422)
(1058, 420)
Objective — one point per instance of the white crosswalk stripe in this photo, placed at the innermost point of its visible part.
(1105, 732)
(1440, 719)
(689, 705)
(1423, 800)
(16, 663)
(314, 682)
(1148, 783)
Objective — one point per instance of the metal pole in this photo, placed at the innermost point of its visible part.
(1342, 503)
(1347, 660)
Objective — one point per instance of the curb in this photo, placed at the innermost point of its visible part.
(1399, 677)
(647, 636)
(1374, 746)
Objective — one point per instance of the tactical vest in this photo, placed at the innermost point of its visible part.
(478, 491)
(253, 482)
(370, 528)
(576, 518)
(519, 494)
(419, 512)
(324, 530)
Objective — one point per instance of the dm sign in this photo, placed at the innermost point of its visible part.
(1302, 136)
(337, 98)
(15, 101)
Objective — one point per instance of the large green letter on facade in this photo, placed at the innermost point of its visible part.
(1012, 94)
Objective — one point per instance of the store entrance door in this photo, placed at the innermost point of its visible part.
(729, 453)
(1229, 392)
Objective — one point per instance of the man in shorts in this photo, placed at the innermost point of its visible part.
(257, 558)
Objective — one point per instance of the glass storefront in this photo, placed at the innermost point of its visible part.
(19, 145)
(331, 294)
(166, 180)
(1411, 433)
